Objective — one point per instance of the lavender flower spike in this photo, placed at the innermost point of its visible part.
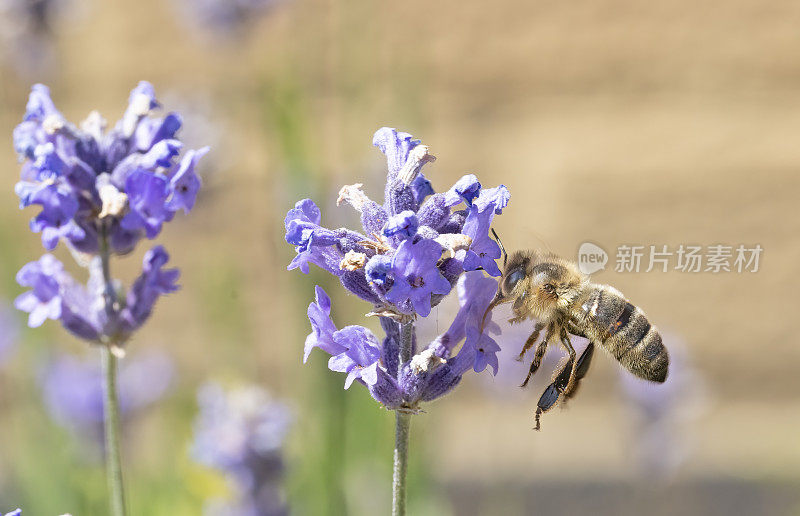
(407, 259)
(414, 248)
(101, 191)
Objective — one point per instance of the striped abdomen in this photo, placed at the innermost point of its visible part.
(623, 330)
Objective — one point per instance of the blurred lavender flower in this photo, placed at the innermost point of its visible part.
(18, 512)
(414, 248)
(660, 413)
(26, 33)
(241, 433)
(73, 390)
(126, 181)
(8, 333)
(100, 192)
(225, 18)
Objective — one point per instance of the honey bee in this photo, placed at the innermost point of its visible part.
(563, 301)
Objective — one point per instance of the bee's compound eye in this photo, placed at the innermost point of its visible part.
(513, 278)
(549, 288)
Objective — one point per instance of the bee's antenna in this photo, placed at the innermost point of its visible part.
(500, 243)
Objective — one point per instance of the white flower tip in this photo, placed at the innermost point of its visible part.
(114, 201)
(453, 242)
(140, 105)
(418, 156)
(353, 195)
(353, 261)
(53, 123)
(426, 361)
(94, 124)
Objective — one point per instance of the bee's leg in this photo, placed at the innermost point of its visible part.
(549, 398)
(531, 340)
(539, 353)
(572, 364)
(553, 392)
(584, 361)
(559, 386)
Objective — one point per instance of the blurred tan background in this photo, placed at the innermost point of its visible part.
(616, 122)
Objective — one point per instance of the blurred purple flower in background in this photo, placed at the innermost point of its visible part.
(241, 433)
(27, 32)
(100, 192)
(126, 181)
(73, 390)
(414, 248)
(9, 333)
(660, 414)
(226, 18)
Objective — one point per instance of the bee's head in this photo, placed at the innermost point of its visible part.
(538, 284)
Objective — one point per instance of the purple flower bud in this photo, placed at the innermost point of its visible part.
(446, 378)
(395, 146)
(40, 105)
(386, 391)
(466, 189)
(421, 188)
(147, 195)
(373, 217)
(400, 197)
(404, 225)
(435, 212)
(378, 269)
(356, 282)
(140, 102)
(319, 314)
(153, 283)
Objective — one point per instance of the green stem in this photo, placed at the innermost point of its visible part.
(111, 425)
(402, 433)
(116, 491)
